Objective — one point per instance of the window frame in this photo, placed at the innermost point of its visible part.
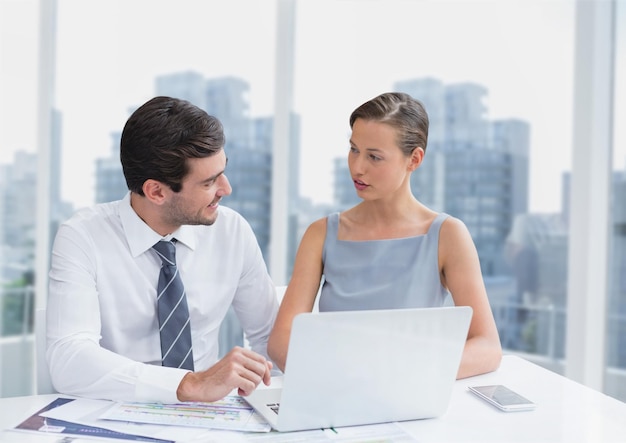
(593, 123)
(586, 333)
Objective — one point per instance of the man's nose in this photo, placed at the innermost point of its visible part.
(224, 188)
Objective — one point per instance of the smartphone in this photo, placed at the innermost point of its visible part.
(503, 398)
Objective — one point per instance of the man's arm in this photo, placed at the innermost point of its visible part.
(255, 305)
(255, 302)
(78, 364)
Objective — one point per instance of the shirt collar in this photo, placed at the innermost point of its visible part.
(141, 237)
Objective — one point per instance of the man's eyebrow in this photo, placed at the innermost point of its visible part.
(214, 177)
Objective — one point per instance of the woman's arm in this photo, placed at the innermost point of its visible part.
(460, 273)
(301, 291)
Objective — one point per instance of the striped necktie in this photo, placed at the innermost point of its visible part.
(172, 310)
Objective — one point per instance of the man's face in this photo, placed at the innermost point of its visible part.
(202, 189)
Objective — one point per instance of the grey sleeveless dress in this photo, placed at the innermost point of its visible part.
(381, 274)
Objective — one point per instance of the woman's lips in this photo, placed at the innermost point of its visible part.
(359, 185)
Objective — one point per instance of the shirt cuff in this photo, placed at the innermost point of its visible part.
(159, 384)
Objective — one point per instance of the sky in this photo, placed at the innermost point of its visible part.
(347, 51)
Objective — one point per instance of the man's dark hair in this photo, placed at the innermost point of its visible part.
(161, 135)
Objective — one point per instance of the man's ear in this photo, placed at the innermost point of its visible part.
(417, 156)
(155, 191)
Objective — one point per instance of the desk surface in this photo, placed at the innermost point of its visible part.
(566, 412)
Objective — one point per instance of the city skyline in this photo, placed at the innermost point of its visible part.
(519, 53)
(540, 96)
(480, 187)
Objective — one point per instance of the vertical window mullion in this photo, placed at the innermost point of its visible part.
(46, 98)
(590, 191)
(281, 164)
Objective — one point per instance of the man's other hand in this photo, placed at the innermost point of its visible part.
(240, 369)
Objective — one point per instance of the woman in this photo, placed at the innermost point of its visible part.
(390, 250)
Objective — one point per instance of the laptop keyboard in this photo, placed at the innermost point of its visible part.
(274, 407)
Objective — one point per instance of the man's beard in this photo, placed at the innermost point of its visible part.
(175, 214)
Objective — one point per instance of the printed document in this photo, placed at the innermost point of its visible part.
(231, 413)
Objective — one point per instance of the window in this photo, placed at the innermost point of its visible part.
(500, 103)
(616, 304)
(499, 155)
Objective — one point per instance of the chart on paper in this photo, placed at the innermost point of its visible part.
(231, 413)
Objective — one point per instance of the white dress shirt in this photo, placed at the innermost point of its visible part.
(102, 328)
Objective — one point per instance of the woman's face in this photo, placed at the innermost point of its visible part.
(377, 165)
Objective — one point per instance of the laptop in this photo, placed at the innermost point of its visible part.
(363, 367)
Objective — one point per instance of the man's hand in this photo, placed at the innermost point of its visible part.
(241, 368)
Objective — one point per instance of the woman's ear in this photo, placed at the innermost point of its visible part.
(154, 190)
(416, 158)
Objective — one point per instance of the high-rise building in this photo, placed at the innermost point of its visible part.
(536, 252)
(227, 99)
(344, 194)
(249, 160)
(477, 170)
(474, 169)
(249, 142)
(250, 174)
(18, 197)
(512, 136)
(110, 181)
(187, 85)
(466, 124)
(18, 203)
(248, 147)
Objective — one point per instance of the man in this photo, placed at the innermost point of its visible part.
(110, 331)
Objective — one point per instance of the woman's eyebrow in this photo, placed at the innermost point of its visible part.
(367, 149)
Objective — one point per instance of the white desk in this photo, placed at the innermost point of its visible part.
(566, 412)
